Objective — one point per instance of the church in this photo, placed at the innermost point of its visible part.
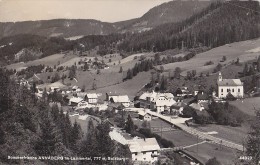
(233, 86)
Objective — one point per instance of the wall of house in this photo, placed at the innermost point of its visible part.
(145, 156)
(92, 100)
(234, 90)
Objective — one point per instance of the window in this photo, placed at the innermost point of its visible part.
(221, 90)
(238, 89)
(233, 90)
(136, 153)
(227, 90)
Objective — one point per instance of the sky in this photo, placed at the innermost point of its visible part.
(103, 10)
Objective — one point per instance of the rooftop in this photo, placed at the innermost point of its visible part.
(141, 145)
(230, 82)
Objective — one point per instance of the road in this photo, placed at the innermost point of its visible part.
(180, 123)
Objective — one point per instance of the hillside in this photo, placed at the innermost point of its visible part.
(173, 11)
(57, 27)
(241, 50)
(218, 24)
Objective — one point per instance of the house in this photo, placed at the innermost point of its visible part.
(54, 88)
(82, 104)
(92, 98)
(144, 150)
(74, 101)
(202, 97)
(159, 101)
(232, 86)
(145, 116)
(76, 89)
(122, 99)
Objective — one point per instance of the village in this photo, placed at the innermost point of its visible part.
(143, 110)
(131, 83)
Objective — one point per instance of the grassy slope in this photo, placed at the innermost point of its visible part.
(231, 51)
(248, 105)
(50, 61)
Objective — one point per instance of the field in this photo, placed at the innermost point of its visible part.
(234, 134)
(130, 87)
(47, 61)
(247, 105)
(205, 151)
(231, 51)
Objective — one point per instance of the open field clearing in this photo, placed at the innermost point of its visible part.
(129, 87)
(47, 61)
(131, 58)
(247, 105)
(234, 134)
(101, 80)
(206, 151)
(231, 51)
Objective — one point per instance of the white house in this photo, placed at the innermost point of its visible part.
(160, 101)
(74, 101)
(233, 86)
(146, 150)
(123, 99)
(145, 116)
(92, 98)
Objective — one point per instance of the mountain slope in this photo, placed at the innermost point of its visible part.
(57, 27)
(218, 24)
(173, 11)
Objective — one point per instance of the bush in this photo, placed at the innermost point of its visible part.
(209, 63)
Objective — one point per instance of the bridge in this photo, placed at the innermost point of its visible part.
(179, 122)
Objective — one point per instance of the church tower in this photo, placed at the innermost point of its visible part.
(220, 76)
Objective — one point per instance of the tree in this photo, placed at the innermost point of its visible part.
(89, 144)
(253, 139)
(258, 64)
(213, 161)
(129, 125)
(177, 72)
(98, 71)
(121, 69)
(193, 73)
(94, 86)
(237, 61)
(49, 138)
(245, 70)
(161, 69)
(163, 84)
(189, 75)
(224, 58)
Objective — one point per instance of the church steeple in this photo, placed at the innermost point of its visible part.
(220, 76)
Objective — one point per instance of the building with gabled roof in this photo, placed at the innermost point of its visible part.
(159, 101)
(146, 149)
(122, 99)
(232, 86)
(92, 98)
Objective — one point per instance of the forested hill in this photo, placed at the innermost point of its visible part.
(29, 127)
(218, 24)
(173, 11)
(57, 27)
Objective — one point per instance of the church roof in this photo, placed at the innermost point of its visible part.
(230, 82)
